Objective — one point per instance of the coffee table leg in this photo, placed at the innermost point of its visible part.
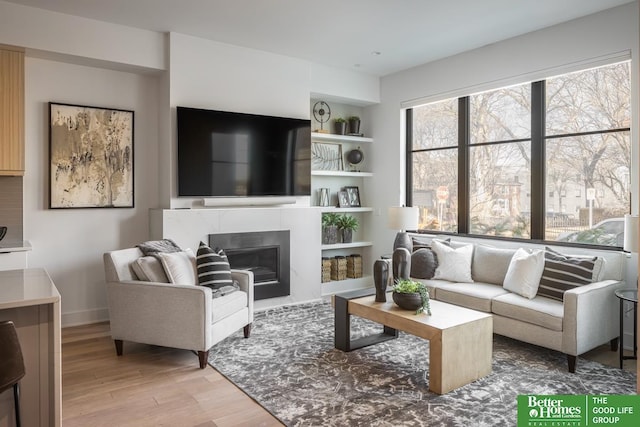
(342, 327)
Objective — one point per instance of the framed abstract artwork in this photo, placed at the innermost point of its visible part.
(353, 194)
(90, 157)
(326, 157)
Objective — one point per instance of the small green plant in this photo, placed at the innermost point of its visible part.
(340, 120)
(348, 222)
(330, 219)
(408, 286)
(354, 118)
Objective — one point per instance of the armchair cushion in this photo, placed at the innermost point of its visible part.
(149, 269)
(180, 267)
(214, 270)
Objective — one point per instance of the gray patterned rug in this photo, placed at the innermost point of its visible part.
(290, 367)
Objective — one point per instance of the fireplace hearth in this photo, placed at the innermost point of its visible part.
(265, 253)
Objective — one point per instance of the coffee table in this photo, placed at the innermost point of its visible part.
(460, 339)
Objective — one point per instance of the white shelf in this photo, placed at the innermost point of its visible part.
(346, 245)
(338, 138)
(344, 210)
(337, 286)
(342, 173)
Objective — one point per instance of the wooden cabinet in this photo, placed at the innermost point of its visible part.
(11, 112)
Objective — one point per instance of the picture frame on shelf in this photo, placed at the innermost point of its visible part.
(326, 156)
(343, 199)
(353, 194)
(90, 157)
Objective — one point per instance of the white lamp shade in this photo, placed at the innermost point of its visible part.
(631, 233)
(403, 218)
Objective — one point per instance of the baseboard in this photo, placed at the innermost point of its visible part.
(85, 317)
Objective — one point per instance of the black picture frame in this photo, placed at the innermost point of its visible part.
(91, 157)
(353, 194)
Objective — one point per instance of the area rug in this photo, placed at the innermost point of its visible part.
(290, 366)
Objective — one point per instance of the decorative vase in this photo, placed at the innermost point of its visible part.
(323, 197)
(380, 279)
(330, 235)
(407, 301)
(354, 126)
(340, 128)
(401, 264)
(347, 235)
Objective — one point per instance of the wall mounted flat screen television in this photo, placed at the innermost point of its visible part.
(227, 154)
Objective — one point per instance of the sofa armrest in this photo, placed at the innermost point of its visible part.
(163, 314)
(246, 283)
(590, 316)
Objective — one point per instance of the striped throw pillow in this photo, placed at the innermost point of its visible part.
(563, 272)
(213, 267)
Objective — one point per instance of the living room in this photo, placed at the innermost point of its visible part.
(109, 65)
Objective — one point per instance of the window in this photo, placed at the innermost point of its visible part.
(548, 160)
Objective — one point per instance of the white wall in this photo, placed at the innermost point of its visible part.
(520, 59)
(69, 243)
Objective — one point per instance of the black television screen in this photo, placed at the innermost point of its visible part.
(226, 154)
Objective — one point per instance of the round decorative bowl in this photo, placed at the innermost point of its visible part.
(412, 301)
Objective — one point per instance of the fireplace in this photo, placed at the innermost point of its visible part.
(265, 253)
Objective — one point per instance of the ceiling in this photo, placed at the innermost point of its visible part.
(377, 37)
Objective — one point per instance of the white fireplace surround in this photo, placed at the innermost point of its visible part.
(188, 227)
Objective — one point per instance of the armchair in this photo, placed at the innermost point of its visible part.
(165, 314)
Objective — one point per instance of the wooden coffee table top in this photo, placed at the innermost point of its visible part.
(444, 316)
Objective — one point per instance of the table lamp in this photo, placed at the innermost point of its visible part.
(403, 218)
(630, 233)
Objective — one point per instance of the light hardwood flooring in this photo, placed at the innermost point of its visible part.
(157, 386)
(147, 386)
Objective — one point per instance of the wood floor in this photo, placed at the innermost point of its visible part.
(157, 386)
(147, 386)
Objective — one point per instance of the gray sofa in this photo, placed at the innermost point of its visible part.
(586, 318)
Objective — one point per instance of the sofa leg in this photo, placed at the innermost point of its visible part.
(203, 357)
(247, 330)
(614, 344)
(118, 344)
(572, 363)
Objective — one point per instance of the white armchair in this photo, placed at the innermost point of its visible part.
(171, 315)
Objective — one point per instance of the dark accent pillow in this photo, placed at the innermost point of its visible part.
(154, 246)
(563, 272)
(214, 270)
(423, 263)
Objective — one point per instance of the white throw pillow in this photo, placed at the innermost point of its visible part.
(180, 267)
(524, 273)
(453, 264)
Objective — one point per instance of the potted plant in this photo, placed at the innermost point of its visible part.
(330, 228)
(354, 125)
(411, 295)
(347, 224)
(340, 126)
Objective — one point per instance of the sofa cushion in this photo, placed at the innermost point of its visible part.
(563, 272)
(476, 296)
(149, 269)
(226, 305)
(541, 311)
(490, 264)
(423, 263)
(525, 270)
(180, 267)
(453, 264)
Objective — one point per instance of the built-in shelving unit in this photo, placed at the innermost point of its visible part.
(336, 180)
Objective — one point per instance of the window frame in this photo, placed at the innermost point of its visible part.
(538, 168)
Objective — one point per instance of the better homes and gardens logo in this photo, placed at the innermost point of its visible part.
(578, 410)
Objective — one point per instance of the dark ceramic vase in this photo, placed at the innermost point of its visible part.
(340, 128)
(412, 301)
(354, 126)
(347, 236)
(380, 279)
(329, 235)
